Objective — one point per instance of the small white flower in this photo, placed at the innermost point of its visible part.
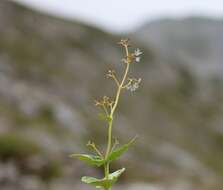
(132, 88)
(137, 52)
(137, 59)
(134, 85)
(128, 87)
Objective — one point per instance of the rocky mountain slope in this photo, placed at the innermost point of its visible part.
(51, 70)
(194, 41)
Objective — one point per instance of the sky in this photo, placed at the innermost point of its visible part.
(126, 15)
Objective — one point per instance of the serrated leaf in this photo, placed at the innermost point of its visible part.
(104, 117)
(121, 150)
(105, 182)
(90, 159)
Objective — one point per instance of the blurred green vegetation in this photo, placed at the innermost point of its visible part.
(14, 146)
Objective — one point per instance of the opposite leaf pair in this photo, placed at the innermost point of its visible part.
(105, 183)
(100, 161)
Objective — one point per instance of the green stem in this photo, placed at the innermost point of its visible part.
(109, 136)
(113, 110)
(110, 124)
(108, 147)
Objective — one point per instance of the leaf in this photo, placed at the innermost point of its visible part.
(93, 181)
(105, 182)
(90, 159)
(104, 117)
(115, 175)
(121, 150)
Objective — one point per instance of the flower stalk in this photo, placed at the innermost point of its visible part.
(109, 107)
(120, 88)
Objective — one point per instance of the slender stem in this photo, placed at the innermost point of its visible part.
(113, 110)
(98, 152)
(110, 124)
(105, 110)
(121, 85)
(109, 136)
(116, 80)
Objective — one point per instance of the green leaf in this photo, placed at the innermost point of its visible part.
(90, 159)
(104, 117)
(115, 175)
(105, 182)
(98, 183)
(121, 150)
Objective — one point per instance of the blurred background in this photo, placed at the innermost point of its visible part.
(53, 60)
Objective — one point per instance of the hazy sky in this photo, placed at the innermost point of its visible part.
(122, 15)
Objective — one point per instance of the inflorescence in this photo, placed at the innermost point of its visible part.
(108, 106)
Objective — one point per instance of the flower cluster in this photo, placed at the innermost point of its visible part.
(133, 84)
(133, 57)
(124, 42)
(106, 103)
(111, 74)
(137, 55)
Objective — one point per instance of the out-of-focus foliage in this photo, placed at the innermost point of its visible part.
(14, 146)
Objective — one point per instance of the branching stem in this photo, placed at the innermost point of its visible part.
(113, 108)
